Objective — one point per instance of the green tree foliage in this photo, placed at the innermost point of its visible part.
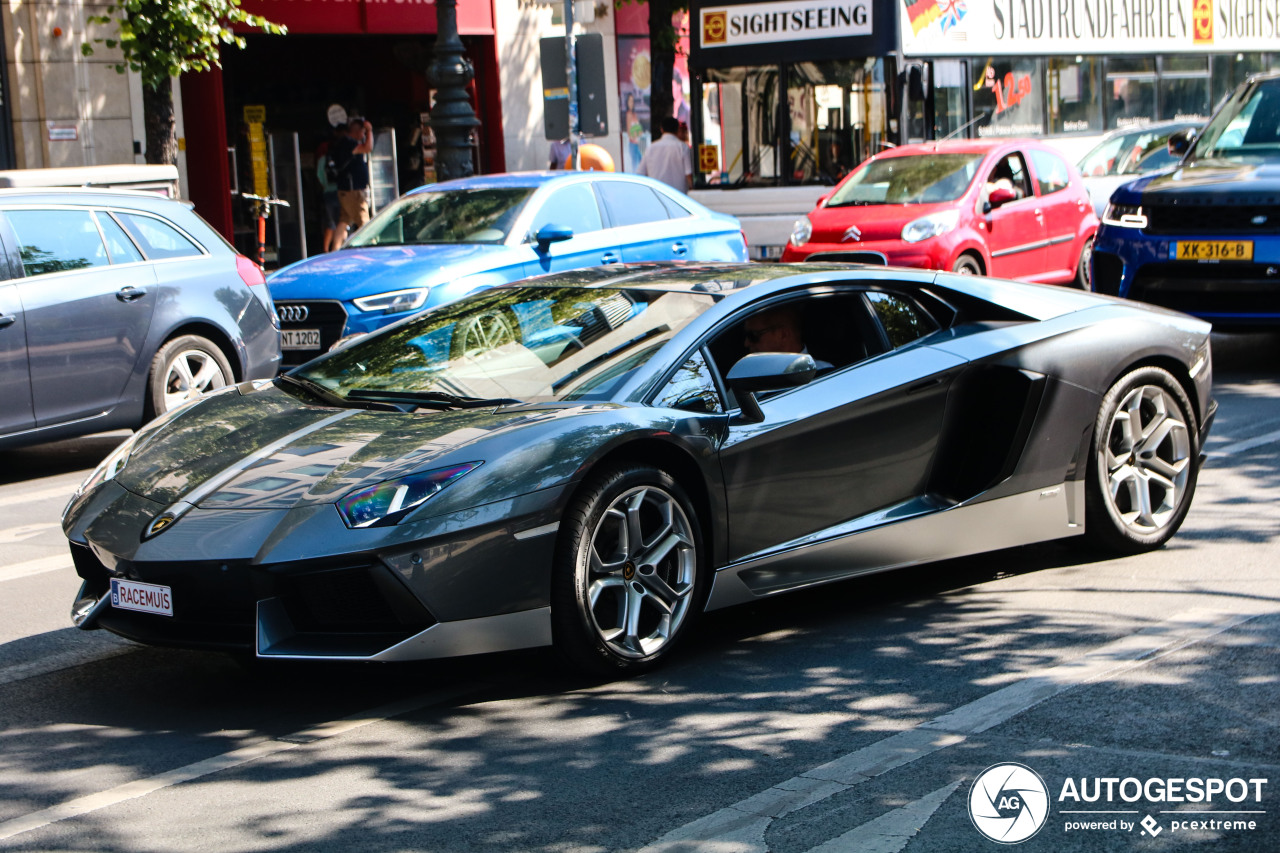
(161, 39)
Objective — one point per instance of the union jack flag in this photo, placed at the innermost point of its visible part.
(952, 12)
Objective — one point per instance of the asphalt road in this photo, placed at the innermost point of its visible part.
(861, 716)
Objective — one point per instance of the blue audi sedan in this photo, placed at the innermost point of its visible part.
(443, 241)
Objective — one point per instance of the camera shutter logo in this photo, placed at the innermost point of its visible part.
(1008, 803)
(715, 26)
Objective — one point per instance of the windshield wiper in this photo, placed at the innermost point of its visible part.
(429, 399)
(322, 393)
(854, 203)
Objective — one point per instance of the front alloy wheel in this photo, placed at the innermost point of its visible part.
(628, 582)
(1145, 460)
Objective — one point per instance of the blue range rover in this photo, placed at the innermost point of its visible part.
(1204, 237)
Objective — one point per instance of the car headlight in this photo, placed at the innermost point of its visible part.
(394, 301)
(930, 226)
(801, 232)
(1125, 215)
(389, 502)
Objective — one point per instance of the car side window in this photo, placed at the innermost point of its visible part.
(692, 388)
(630, 204)
(1010, 171)
(57, 240)
(158, 239)
(574, 206)
(902, 321)
(675, 210)
(118, 243)
(1051, 172)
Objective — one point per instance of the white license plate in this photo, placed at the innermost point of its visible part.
(143, 597)
(300, 339)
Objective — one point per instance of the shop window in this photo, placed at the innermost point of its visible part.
(1184, 87)
(1010, 91)
(837, 117)
(1075, 101)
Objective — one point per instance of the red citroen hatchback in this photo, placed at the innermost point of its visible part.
(1011, 208)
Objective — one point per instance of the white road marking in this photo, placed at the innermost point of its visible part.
(35, 567)
(1245, 444)
(741, 827)
(226, 761)
(62, 492)
(23, 532)
(890, 832)
(65, 660)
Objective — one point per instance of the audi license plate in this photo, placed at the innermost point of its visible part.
(1213, 250)
(143, 597)
(300, 339)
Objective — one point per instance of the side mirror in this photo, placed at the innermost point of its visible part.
(552, 233)
(767, 371)
(1001, 195)
(1180, 142)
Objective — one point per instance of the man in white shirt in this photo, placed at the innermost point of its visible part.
(668, 160)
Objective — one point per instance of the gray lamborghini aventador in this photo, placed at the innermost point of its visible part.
(591, 460)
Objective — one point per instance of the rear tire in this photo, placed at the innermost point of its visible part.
(629, 576)
(1084, 270)
(1143, 463)
(184, 368)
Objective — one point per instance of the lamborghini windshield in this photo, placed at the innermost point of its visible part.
(508, 345)
(911, 179)
(481, 215)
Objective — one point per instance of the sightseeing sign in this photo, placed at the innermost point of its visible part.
(1039, 27)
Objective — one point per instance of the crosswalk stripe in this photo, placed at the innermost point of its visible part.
(35, 567)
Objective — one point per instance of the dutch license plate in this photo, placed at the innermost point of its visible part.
(143, 597)
(1213, 250)
(300, 339)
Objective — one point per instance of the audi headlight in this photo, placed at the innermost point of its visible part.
(389, 502)
(1125, 215)
(394, 301)
(801, 232)
(930, 226)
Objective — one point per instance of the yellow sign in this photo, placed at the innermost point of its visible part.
(255, 113)
(708, 158)
(715, 26)
(1214, 250)
(1202, 22)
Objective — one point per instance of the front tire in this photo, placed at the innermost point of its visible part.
(1143, 463)
(184, 368)
(967, 264)
(629, 575)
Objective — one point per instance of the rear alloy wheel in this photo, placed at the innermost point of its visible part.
(967, 265)
(1084, 271)
(629, 572)
(1144, 461)
(183, 369)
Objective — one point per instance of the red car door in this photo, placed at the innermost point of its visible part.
(1063, 206)
(1015, 229)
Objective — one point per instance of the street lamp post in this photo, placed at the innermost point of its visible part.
(452, 119)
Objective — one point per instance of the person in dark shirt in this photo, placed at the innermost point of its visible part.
(349, 154)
